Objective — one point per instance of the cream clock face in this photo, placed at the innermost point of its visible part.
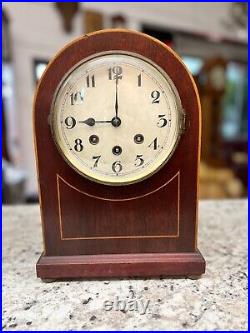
(116, 118)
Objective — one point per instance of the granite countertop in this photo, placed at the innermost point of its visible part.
(217, 301)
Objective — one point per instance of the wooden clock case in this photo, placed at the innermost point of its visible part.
(143, 229)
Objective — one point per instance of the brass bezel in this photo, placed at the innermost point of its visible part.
(180, 116)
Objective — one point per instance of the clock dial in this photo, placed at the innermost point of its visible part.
(116, 118)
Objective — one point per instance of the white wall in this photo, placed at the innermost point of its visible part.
(207, 18)
(37, 33)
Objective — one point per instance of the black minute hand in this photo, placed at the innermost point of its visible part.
(92, 121)
(116, 99)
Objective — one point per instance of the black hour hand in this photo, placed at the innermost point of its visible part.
(92, 121)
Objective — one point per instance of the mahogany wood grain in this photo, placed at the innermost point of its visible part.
(121, 265)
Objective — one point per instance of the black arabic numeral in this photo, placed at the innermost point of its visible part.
(139, 80)
(139, 159)
(162, 121)
(117, 167)
(110, 73)
(70, 122)
(115, 73)
(156, 96)
(90, 81)
(76, 98)
(96, 158)
(154, 144)
(78, 145)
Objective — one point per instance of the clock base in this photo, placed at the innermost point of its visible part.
(121, 265)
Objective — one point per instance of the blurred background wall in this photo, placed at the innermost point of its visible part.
(211, 38)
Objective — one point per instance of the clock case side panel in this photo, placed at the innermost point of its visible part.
(50, 164)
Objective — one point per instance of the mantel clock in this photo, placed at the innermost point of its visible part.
(117, 140)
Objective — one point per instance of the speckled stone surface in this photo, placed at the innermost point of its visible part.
(217, 301)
